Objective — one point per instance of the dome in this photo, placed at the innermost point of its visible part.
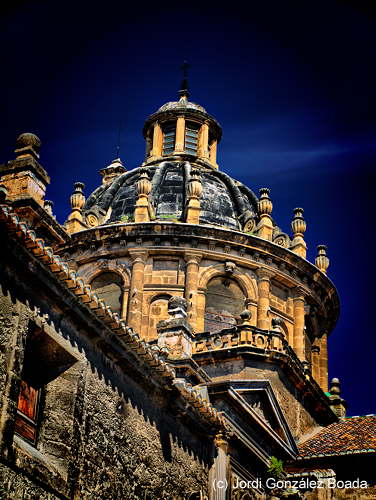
(182, 104)
(224, 201)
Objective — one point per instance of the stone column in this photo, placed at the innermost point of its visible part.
(139, 257)
(315, 362)
(157, 141)
(213, 154)
(203, 141)
(324, 362)
(180, 134)
(218, 475)
(191, 284)
(263, 286)
(298, 312)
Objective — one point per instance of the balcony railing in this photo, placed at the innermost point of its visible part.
(242, 335)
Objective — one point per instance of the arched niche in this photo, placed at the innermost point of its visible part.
(158, 311)
(109, 287)
(225, 300)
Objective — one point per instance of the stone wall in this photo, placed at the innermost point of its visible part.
(91, 443)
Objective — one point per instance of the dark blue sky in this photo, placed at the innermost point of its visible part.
(292, 84)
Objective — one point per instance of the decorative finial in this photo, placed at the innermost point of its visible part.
(276, 323)
(245, 317)
(143, 207)
(298, 224)
(265, 204)
(184, 88)
(75, 220)
(28, 144)
(77, 198)
(337, 403)
(322, 261)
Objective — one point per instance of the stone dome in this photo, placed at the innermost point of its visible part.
(224, 201)
(182, 104)
(28, 139)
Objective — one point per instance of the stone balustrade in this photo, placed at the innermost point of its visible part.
(240, 336)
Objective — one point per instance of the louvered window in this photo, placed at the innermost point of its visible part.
(191, 138)
(169, 138)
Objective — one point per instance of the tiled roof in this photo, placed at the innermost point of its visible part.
(347, 436)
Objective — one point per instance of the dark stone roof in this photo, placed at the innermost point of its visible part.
(224, 201)
(345, 437)
(181, 105)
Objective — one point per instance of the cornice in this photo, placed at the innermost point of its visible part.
(216, 243)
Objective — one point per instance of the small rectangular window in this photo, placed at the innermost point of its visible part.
(169, 139)
(191, 138)
(27, 412)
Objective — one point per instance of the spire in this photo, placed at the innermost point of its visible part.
(184, 88)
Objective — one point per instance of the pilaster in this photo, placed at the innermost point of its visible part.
(191, 284)
(298, 332)
(180, 135)
(315, 351)
(139, 257)
(324, 362)
(203, 141)
(156, 150)
(263, 304)
(213, 154)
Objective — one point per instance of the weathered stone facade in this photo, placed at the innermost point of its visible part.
(169, 340)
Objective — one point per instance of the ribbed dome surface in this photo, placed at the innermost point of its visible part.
(224, 201)
(183, 105)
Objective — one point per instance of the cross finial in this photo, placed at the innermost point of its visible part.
(184, 90)
(118, 141)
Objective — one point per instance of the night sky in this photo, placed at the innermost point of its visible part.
(292, 83)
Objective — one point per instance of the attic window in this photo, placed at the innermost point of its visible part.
(169, 131)
(191, 138)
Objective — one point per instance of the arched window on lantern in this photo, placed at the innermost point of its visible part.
(225, 301)
(109, 287)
